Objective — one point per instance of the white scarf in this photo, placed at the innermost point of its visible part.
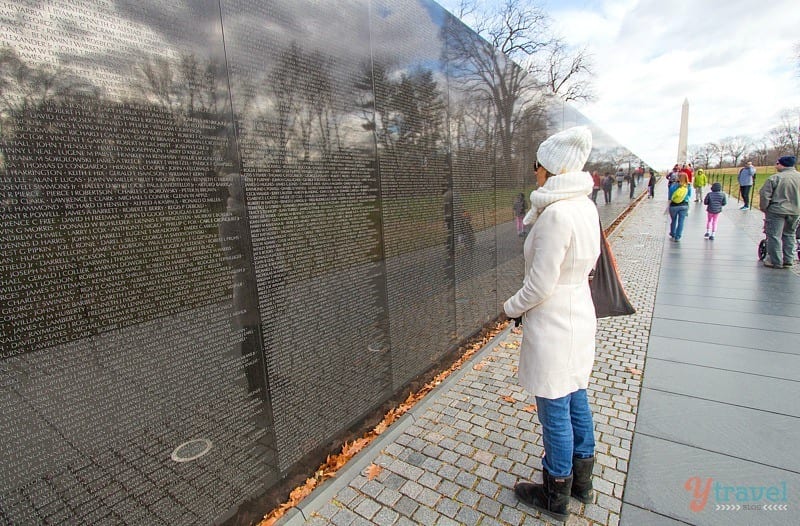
(564, 186)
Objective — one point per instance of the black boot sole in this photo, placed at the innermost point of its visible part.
(535, 505)
(585, 500)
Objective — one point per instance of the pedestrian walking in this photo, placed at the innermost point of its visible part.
(679, 195)
(779, 199)
(559, 323)
(700, 181)
(597, 183)
(747, 177)
(714, 202)
(608, 185)
(651, 184)
(631, 185)
(620, 177)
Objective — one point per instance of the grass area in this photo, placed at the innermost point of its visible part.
(730, 184)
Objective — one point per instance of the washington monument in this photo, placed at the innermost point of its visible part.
(682, 140)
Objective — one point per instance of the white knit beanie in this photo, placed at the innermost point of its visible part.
(566, 151)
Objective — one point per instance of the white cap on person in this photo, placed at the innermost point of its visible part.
(566, 151)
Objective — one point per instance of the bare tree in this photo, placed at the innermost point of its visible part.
(734, 147)
(566, 75)
(717, 150)
(508, 67)
(759, 152)
(700, 155)
(489, 67)
(786, 136)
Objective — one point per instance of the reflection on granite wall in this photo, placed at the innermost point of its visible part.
(230, 230)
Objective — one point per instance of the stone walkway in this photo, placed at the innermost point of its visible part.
(718, 414)
(455, 458)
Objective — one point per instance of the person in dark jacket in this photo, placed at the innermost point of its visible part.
(714, 202)
(608, 184)
(631, 185)
(651, 184)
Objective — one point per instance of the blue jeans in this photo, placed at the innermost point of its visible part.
(678, 215)
(567, 431)
(781, 244)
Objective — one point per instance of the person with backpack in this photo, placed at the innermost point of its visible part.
(679, 195)
(714, 203)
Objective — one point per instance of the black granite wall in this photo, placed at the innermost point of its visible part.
(229, 231)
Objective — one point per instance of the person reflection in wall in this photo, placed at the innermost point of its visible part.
(458, 216)
(558, 319)
(520, 208)
(235, 242)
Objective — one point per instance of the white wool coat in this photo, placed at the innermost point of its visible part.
(559, 323)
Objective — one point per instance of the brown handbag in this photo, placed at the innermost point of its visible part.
(608, 294)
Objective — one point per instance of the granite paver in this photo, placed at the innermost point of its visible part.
(459, 457)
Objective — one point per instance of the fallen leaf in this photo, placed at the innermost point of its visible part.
(633, 370)
(530, 408)
(516, 330)
(509, 399)
(479, 366)
(509, 345)
(514, 370)
(336, 461)
(373, 471)
(301, 492)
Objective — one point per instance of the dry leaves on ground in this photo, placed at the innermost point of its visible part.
(510, 399)
(633, 370)
(509, 345)
(334, 462)
(530, 408)
(373, 471)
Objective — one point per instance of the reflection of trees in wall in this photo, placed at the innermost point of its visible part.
(185, 87)
(407, 118)
(118, 197)
(488, 77)
(304, 122)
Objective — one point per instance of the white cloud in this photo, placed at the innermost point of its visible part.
(733, 59)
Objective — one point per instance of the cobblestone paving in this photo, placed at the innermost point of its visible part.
(457, 463)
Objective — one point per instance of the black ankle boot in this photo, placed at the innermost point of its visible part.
(582, 482)
(551, 498)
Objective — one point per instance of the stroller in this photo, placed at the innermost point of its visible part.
(762, 245)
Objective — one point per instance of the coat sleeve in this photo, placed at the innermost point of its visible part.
(765, 194)
(550, 243)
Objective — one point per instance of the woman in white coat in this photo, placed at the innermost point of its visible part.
(558, 316)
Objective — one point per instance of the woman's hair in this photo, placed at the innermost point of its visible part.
(683, 178)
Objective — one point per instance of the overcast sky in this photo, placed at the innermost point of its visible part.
(734, 60)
